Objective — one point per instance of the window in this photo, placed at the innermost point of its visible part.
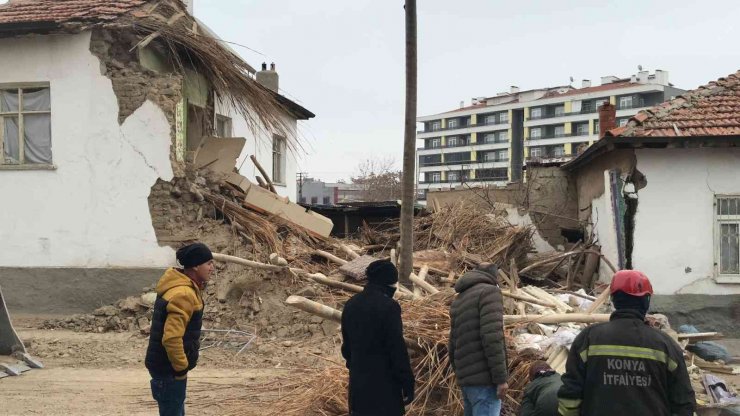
(728, 235)
(451, 124)
(623, 121)
(25, 126)
(596, 126)
(435, 142)
(559, 111)
(435, 125)
(453, 141)
(327, 200)
(489, 156)
(582, 129)
(535, 133)
(489, 138)
(587, 107)
(314, 200)
(502, 137)
(453, 176)
(535, 113)
(535, 152)
(223, 126)
(503, 118)
(559, 131)
(278, 160)
(502, 155)
(558, 151)
(625, 102)
(436, 177)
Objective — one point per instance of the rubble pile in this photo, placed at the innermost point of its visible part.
(266, 264)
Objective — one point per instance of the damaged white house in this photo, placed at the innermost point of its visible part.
(98, 100)
(663, 195)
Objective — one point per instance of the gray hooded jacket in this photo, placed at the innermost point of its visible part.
(477, 348)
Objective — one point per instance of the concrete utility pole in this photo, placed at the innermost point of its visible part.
(409, 145)
(301, 176)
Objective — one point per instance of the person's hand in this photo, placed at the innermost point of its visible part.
(501, 390)
(408, 394)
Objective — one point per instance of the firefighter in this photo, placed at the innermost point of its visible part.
(624, 366)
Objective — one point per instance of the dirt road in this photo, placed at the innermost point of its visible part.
(103, 374)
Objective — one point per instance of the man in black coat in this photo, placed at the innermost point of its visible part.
(380, 378)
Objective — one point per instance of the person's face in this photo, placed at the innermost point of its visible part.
(205, 270)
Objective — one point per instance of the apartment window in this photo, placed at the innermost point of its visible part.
(278, 160)
(582, 129)
(559, 131)
(490, 119)
(489, 138)
(453, 176)
(453, 141)
(25, 126)
(558, 151)
(535, 113)
(223, 126)
(436, 177)
(504, 118)
(502, 137)
(314, 200)
(559, 111)
(728, 235)
(451, 124)
(327, 200)
(599, 103)
(435, 142)
(435, 125)
(596, 126)
(535, 152)
(535, 133)
(623, 121)
(502, 155)
(489, 156)
(625, 102)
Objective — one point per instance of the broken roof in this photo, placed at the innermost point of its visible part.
(710, 110)
(709, 114)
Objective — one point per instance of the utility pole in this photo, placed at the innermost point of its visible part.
(301, 176)
(409, 149)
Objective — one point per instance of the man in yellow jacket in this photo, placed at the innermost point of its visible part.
(176, 324)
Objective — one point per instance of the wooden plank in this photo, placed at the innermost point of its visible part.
(701, 336)
(265, 176)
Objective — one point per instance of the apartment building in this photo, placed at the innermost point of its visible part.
(490, 141)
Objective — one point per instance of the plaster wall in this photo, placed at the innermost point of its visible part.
(92, 210)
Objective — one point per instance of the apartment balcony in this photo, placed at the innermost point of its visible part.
(467, 126)
(447, 146)
(466, 180)
(559, 136)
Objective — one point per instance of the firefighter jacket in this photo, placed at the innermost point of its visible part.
(625, 367)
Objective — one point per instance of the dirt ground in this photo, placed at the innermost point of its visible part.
(104, 374)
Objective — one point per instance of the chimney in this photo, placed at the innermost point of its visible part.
(268, 78)
(462, 104)
(189, 6)
(607, 118)
(608, 79)
(586, 83)
(642, 77)
(513, 89)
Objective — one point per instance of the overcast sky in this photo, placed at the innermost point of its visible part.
(344, 59)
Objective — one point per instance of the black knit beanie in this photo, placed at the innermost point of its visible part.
(194, 255)
(623, 300)
(382, 272)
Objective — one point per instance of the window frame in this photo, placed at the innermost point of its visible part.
(435, 143)
(436, 177)
(453, 123)
(504, 118)
(435, 125)
(538, 130)
(539, 113)
(23, 165)
(626, 98)
(539, 149)
(228, 122)
(719, 220)
(279, 154)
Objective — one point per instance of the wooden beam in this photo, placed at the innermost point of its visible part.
(265, 176)
(558, 318)
(330, 257)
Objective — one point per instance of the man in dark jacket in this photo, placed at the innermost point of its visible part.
(381, 381)
(624, 366)
(176, 324)
(477, 348)
(541, 394)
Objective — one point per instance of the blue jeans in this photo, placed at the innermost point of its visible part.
(170, 395)
(481, 401)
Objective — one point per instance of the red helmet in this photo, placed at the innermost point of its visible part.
(631, 282)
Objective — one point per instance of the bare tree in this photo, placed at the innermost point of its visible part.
(380, 179)
(409, 145)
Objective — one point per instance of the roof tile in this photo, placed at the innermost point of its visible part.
(64, 11)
